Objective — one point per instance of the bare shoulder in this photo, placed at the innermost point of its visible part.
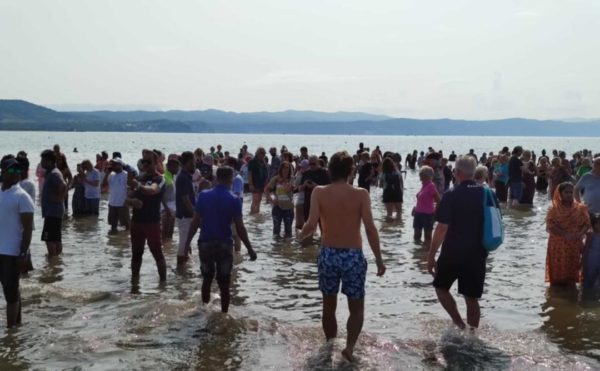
(361, 192)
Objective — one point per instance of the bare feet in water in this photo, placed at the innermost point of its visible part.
(347, 354)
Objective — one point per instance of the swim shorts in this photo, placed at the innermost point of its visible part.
(52, 231)
(216, 257)
(470, 276)
(516, 191)
(9, 277)
(346, 265)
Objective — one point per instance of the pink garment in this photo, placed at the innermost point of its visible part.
(426, 199)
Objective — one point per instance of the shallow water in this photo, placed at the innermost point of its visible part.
(82, 312)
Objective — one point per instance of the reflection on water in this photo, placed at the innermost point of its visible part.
(572, 320)
(81, 311)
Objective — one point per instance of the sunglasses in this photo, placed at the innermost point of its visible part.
(13, 170)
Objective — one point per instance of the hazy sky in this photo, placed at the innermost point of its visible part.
(423, 59)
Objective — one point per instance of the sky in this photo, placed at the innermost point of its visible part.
(461, 59)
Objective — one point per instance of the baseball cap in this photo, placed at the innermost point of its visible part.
(10, 163)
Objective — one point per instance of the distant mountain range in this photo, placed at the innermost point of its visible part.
(22, 115)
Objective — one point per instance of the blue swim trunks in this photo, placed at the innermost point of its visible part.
(347, 265)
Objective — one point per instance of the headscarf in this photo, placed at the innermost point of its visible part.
(571, 218)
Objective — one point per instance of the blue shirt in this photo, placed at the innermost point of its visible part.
(184, 188)
(217, 207)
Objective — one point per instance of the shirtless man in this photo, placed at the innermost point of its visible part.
(341, 208)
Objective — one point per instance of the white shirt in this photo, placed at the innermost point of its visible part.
(13, 202)
(117, 187)
(28, 187)
(92, 192)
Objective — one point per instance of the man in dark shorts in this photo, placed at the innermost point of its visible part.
(184, 204)
(463, 257)
(365, 171)
(215, 210)
(16, 224)
(145, 198)
(258, 176)
(53, 207)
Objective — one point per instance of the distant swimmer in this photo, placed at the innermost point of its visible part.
(341, 208)
(75, 150)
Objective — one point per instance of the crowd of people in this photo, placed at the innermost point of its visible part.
(198, 190)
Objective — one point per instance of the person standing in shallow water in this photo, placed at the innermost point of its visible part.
(258, 174)
(16, 223)
(341, 208)
(145, 198)
(459, 232)
(567, 224)
(53, 207)
(214, 212)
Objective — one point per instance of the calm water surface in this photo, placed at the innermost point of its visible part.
(82, 312)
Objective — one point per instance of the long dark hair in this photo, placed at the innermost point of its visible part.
(280, 170)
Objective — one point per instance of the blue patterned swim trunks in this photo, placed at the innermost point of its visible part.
(346, 265)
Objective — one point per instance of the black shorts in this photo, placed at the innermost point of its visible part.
(391, 195)
(118, 215)
(423, 221)
(9, 277)
(470, 276)
(216, 257)
(52, 231)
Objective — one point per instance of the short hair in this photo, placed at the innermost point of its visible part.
(426, 171)
(24, 163)
(303, 148)
(340, 166)
(466, 165)
(232, 162)
(224, 174)
(481, 172)
(116, 154)
(186, 156)
(49, 155)
(86, 163)
(517, 150)
(388, 165)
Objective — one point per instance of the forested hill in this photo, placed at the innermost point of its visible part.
(22, 115)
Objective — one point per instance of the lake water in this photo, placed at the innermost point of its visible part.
(81, 313)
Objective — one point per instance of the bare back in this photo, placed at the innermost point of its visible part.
(342, 207)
